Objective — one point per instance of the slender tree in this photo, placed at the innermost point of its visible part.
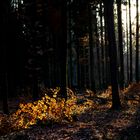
(102, 45)
(130, 41)
(109, 17)
(127, 45)
(91, 48)
(70, 45)
(107, 66)
(63, 47)
(120, 44)
(137, 41)
(98, 50)
(4, 14)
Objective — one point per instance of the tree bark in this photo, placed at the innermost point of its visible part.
(121, 72)
(91, 50)
(137, 42)
(130, 41)
(63, 48)
(102, 46)
(4, 15)
(109, 17)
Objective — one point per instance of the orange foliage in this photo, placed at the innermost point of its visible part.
(48, 108)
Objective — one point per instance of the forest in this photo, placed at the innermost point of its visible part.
(70, 70)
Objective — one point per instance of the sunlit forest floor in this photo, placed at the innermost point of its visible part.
(85, 116)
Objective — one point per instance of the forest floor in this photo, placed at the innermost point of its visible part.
(97, 123)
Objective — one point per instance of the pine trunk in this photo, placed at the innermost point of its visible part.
(137, 42)
(109, 17)
(119, 2)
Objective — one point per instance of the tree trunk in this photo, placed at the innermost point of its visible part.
(98, 53)
(137, 42)
(102, 46)
(63, 48)
(121, 72)
(4, 93)
(127, 45)
(107, 64)
(130, 40)
(70, 47)
(4, 15)
(91, 49)
(109, 17)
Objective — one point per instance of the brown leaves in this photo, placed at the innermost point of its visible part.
(93, 119)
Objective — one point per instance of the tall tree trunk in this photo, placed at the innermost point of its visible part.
(98, 60)
(109, 17)
(107, 69)
(102, 46)
(70, 46)
(130, 40)
(63, 48)
(137, 42)
(58, 25)
(91, 49)
(127, 44)
(119, 13)
(78, 63)
(4, 15)
(98, 53)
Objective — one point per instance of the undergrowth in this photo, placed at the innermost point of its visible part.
(52, 108)
(48, 108)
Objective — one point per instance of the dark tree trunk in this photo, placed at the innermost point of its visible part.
(130, 40)
(4, 92)
(4, 15)
(58, 25)
(63, 48)
(137, 41)
(107, 64)
(91, 49)
(98, 54)
(127, 44)
(121, 72)
(109, 17)
(78, 63)
(102, 46)
(70, 47)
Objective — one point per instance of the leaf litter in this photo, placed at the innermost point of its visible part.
(98, 122)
